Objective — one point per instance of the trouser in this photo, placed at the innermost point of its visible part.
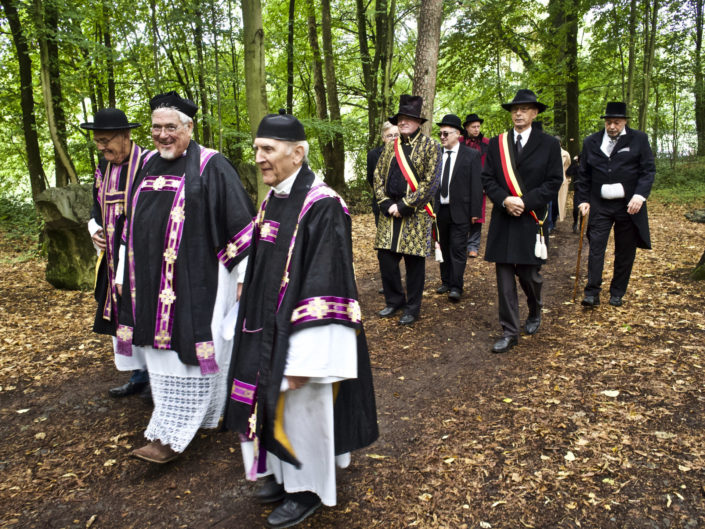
(391, 280)
(452, 237)
(531, 282)
(139, 376)
(474, 237)
(611, 213)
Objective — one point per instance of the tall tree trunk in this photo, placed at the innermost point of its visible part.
(572, 87)
(319, 89)
(387, 103)
(369, 75)
(336, 179)
(154, 39)
(555, 54)
(236, 152)
(255, 80)
(426, 62)
(290, 59)
(650, 41)
(37, 179)
(632, 59)
(699, 91)
(109, 62)
(214, 16)
(198, 42)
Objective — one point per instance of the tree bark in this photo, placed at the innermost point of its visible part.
(699, 90)
(37, 178)
(336, 178)
(572, 87)
(214, 29)
(236, 152)
(290, 59)
(255, 80)
(650, 41)
(426, 62)
(198, 42)
(631, 60)
(109, 62)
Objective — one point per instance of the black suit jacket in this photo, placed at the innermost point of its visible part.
(465, 189)
(512, 239)
(630, 164)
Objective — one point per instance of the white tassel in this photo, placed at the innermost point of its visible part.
(439, 253)
(537, 246)
(544, 249)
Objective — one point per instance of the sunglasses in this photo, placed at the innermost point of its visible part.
(445, 133)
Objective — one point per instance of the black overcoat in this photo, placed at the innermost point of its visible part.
(630, 164)
(512, 239)
(465, 189)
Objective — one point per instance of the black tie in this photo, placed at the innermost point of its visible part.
(519, 146)
(446, 175)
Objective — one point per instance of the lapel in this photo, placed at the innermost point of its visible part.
(456, 166)
(623, 140)
(531, 145)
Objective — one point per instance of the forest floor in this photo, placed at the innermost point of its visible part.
(597, 421)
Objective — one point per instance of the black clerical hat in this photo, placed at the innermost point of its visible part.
(524, 97)
(281, 126)
(615, 109)
(472, 118)
(408, 106)
(451, 120)
(172, 99)
(109, 119)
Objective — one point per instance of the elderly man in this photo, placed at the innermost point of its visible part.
(475, 140)
(522, 172)
(406, 178)
(616, 173)
(458, 202)
(301, 378)
(189, 226)
(120, 160)
(389, 133)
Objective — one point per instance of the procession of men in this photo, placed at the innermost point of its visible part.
(220, 310)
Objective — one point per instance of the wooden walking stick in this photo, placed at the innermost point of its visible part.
(583, 222)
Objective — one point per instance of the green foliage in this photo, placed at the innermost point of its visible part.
(19, 229)
(680, 183)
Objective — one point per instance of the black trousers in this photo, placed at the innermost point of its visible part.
(453, 239)
(531, 282)
(391, 280)
(611, 213)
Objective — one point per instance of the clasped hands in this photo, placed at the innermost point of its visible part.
(514, 206)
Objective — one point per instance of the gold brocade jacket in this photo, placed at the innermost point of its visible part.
(411, 234)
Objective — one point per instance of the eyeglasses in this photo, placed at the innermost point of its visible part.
(104, 141)
(391, 136)
(445, 133)
(169, 129)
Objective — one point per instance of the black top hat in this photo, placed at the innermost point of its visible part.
(615, 109)
(451, 120)
(281, 126)
(524, 97)
(172, 99)
(109, 119)
(472, 118)
(408, 106)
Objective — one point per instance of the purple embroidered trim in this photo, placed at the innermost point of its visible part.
(124, 340)
(236, 245)
(206, 155)
(148, 156)
(205, 352)
(269, 230)
(326, 308)
(167, 293)
(245, 329)
(243, 392)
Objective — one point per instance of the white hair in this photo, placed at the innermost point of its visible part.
(294, 144)
(386, 126)
(183, 118)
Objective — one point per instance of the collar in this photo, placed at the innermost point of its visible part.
(413, 137)
(454, 150)
(606, 136)
(284, 187)
(524, 135)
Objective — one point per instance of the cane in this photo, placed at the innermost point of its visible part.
(583, 222)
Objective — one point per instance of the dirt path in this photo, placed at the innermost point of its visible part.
(594, 422)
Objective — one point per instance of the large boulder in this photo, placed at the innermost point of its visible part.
(70, 253)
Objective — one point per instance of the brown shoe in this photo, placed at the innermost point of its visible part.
(155, 452)
(472, 253)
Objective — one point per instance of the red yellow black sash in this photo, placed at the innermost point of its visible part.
(509, 170)
(408, 173)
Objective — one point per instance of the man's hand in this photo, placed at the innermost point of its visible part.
(634, 205)
(99, 240)
(296, 382)
(118, 287)
(473, 220)
(394, 211)
(584, 208)
(514, 206)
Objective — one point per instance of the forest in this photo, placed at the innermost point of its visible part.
(340, 67)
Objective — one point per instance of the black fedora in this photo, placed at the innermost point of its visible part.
(109, 119)
(408, 106)
(524, 97)
(615, 109)
(472, 118)
(451, 120)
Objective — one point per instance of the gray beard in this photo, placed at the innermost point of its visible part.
(169, 155)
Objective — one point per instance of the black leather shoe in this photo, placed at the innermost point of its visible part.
(126, 390)
(386, 312)
(454, 295)
(407, 319)
(504, 344)
(616, 301)
(590, 301)
(532, 324)
(293, 511)
(270, 491)
(576, 229)
(443, 289)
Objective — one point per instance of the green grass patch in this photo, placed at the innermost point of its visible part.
(682, 183)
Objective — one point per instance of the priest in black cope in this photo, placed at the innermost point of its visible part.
(301, 385)
(520, 189)
(616, 173)
(458, 202)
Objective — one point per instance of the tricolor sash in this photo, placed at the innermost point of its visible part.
(513, 180)
(408, 173)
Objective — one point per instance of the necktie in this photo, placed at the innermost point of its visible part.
(611, 144)
(519, 145)
(446, 175)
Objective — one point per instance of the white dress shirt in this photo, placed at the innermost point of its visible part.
(451, 160)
